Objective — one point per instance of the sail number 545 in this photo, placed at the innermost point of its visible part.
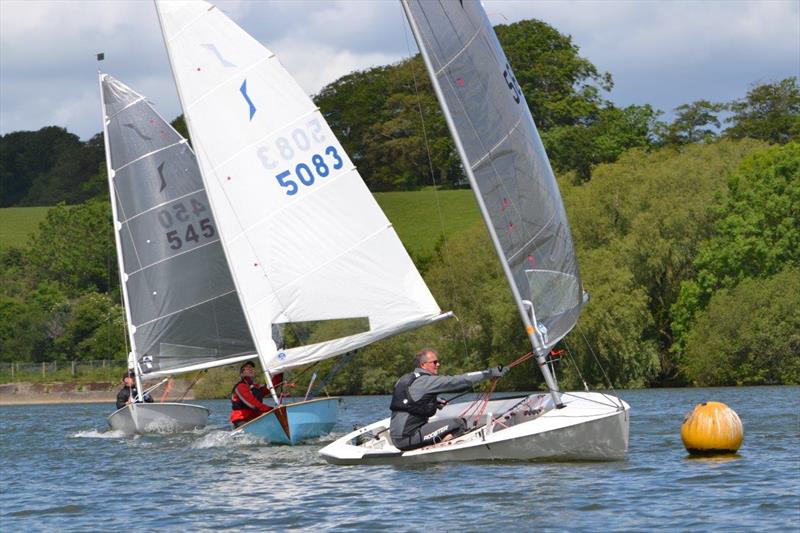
(318, 167)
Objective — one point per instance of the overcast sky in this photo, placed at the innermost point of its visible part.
(664, 53)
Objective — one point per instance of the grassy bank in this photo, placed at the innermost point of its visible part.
(17, 224)
(419, 217)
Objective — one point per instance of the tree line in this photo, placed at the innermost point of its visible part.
(687, 232)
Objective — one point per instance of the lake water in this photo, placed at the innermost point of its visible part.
(61, 468)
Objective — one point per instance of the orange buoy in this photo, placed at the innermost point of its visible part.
(712, 428)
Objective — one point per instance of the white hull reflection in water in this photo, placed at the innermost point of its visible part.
(163, 417)
(590, 427)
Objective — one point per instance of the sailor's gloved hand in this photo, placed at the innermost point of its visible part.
(440, 403)
(497, 372)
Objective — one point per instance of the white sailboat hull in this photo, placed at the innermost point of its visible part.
(590, 427)
(163, 417)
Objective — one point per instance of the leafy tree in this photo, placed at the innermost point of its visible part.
(770, 112)
(694, 123)
(179, 123)
(612, 338)
(93, 330)
(651, 210)
(757, 232)
(562, 88)
(26, 155)
(748, 335)
(65, 180)
(20, 329)
(602, 139)
(75, 246)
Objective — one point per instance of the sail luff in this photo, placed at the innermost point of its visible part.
(534, 335)
(257, 339)
(117, 226)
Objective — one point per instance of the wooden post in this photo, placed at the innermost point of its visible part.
(44, 367)
(73, 368)
(12, 371)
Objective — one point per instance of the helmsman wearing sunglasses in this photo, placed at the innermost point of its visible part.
(415, 400)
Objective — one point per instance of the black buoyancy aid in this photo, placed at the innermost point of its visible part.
(237, 403)
(425, 407)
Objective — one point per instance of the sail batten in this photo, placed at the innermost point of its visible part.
(158, 206)
(149, 154)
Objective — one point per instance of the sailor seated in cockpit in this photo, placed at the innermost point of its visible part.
(415, 400)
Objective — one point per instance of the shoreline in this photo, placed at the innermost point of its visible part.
(25, 393)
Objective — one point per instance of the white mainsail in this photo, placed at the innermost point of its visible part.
(304, 238)
(181, 304)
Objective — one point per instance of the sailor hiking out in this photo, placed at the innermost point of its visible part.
(415, 400)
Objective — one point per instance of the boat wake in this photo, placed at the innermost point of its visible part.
(94, 434)
(224, 438)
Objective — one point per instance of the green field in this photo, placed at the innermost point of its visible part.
(17, 224)
(420, 218)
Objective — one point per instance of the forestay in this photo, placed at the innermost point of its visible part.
(510, 170)
(181, 301)
(304, 237)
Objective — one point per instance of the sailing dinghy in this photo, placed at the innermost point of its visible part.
(180, 302)
(304, 238)
(521, 205)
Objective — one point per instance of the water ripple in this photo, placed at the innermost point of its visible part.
(209, 479)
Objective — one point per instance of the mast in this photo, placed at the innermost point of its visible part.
(117, 226)
(237, 283)
(528, 320)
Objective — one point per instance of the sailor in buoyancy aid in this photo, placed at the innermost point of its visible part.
(415, 400)
(129, 393)
(247, 397)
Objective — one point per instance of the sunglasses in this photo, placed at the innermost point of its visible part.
(436, 362)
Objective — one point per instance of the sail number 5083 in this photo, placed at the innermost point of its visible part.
(318, 167)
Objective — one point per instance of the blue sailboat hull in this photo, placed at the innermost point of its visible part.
(295, 422)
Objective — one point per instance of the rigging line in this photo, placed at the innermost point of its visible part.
(603, 370)
(510, 365)
(193, 383)
(341, 362)
(574, 361)
(439, 211)
(488, 394)
(583, 398)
